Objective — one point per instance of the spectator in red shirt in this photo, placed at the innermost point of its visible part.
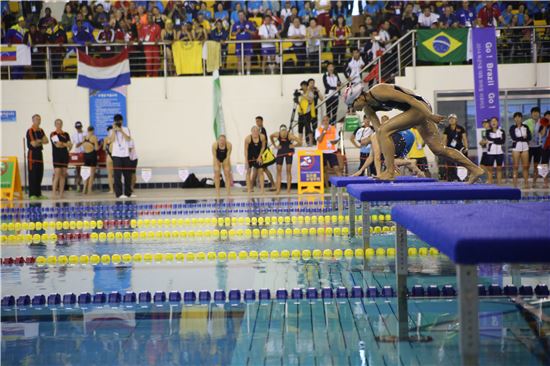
(489, 16)
(150, 32)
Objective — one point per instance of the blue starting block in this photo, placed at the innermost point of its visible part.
(470, 235)
(339, 184)
(367, 193)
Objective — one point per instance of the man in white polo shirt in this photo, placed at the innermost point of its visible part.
(268, 32)
(120, 140)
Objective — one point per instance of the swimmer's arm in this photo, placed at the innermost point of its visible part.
(272, 137)
(373, 118)
(229, 149)
(465, 140)
(214, 150)
(96, 144)
(364, 166)
(246, 143)
(375, 149)
(296, 139)
(352, 140)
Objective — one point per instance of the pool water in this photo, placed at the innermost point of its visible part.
(337, 331)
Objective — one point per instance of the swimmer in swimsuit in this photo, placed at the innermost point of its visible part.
(285, 142)
(254, 146)
(221, 153)
(90, 145)
(416, 112)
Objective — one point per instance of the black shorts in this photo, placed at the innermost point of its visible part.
(422, 164)
(254, 163)
(284, 156)
(330, 159)
(483, 160)
(545, 156)
(133, 165)
(304, 122)
(499, 159)
(61, 161)
(90, 159)
(535, 153)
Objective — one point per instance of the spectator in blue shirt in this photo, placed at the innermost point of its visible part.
(466, 15)
(338, 9)
(243, 31)
(85, 24)
(238, 2)
(219, 34)
(448, 19)
(221, 13)
(373, 7)
(235, 13)
(81, 35)
(255, 8)
(205, 12)
(521, 17)
(307, 13)
(507, 14)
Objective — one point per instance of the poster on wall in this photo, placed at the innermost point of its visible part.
(8, 116)
(104, 104)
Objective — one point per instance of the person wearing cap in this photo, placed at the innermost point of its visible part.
(455, 137)
(285, 142)
(78, 139)
(416, 112)
(16, 35)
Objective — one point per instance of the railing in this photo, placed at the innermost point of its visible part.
(515, 44)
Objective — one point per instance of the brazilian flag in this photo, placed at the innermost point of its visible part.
(442, 46)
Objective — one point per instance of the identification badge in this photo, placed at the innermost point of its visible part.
(33, 9)
(397, 11)
(453, 143)
(147, 37)
(178, 21)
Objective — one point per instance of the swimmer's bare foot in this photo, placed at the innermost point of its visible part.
(386, 175)
(475, 175)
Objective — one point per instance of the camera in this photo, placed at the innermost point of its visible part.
(296, 95)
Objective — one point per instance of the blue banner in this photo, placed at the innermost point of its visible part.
(8, 116)
(485, 62)
(104, 104)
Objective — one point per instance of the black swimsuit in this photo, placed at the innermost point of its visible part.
(254, 150)
(221, 155)
(387, 106)
(285, 152)
(90, 158)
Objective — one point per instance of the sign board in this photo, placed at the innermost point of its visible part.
(10, 181)
(8, 116)
(351, 123)
(104, 104)
(310, 172)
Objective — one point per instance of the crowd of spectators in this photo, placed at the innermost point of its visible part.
(302, 22)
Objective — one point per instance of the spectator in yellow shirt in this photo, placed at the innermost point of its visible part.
(417, 153)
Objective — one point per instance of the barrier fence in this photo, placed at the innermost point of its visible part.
(286, 56)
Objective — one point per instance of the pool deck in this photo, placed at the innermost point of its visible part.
(180, 194)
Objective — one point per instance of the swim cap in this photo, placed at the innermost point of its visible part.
(351, 93)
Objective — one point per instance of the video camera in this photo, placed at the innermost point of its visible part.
(296, 96)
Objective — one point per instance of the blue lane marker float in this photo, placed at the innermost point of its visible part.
(236, 295)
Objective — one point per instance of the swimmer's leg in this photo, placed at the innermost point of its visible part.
(430, 134)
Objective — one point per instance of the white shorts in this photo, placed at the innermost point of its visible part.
(521, 146)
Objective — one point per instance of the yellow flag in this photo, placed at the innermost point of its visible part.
(187, 57)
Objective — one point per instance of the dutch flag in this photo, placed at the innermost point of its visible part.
(103, 73)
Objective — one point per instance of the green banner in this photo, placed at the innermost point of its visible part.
(442, 46)
(351, 123)
(6, 174)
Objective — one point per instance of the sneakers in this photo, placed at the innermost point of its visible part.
(122, 196)
(42, 198)
(34, 198)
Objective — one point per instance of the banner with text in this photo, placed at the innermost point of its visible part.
(484, 47)
(104, 104)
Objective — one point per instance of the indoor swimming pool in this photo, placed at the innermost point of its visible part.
(267, 282)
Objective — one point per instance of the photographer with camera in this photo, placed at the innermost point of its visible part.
(120, 140)
(305, 104)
